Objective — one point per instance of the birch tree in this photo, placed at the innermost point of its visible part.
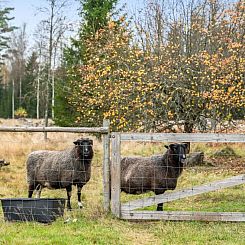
(54, 27)
(17, 57)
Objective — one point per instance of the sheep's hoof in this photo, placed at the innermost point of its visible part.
(159, 208)
(67, 220)
(80, 205)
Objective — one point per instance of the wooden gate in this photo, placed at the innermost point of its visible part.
(129, 210)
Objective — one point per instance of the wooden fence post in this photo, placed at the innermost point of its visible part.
(106, 166)
(115, 174)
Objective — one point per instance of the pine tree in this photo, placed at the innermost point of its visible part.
(4, 29)
(5, 90)
(30, 84)
(95, 15)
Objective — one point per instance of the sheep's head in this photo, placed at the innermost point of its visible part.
(84, 148)
(178, 151)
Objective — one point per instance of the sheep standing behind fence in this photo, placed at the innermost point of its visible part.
(60, 169)
(155, 173)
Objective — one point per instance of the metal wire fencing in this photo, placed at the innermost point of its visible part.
(45, 178)
(152, 182)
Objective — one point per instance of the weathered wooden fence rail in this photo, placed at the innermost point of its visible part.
(183, 137)
(128, 210)
(102, 130)
(185, 216)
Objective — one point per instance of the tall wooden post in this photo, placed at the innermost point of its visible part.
(106, 166)
(115, 174)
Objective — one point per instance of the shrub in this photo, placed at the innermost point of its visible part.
(20, 113)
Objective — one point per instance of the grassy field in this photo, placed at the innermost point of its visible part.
(92, 226)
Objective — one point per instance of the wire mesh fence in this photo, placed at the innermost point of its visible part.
(206, 183)
(43, 175)
(44, 210)
(161, 181)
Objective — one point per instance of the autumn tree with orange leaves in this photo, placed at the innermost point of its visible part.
(113, 84)
(200, 62)
(190, 72)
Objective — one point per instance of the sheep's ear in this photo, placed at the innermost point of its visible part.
(187, 147)
(75, 142)
(166, 146)
(172, 146)
(91, 142)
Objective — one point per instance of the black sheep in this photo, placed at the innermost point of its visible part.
(156, 173)
(60, 169)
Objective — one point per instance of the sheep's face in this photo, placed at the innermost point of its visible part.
(84, 148)
(178, 151)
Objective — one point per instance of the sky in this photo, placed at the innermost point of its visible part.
(26, 11)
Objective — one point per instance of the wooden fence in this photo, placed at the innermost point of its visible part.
(128, 210)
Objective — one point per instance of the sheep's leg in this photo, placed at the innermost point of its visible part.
(159, 205)
(31, 190)
(69, 190)
(79, 188)
(38, 191)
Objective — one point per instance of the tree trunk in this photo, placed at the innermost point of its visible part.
(38, 92)
(53, 86)
(20, 98)
(49, 65)
(47, 105)
(13, 99)
(188, 128)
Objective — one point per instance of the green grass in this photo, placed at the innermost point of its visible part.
(107, 230)
(200, 233)
(81, 232)
(92, 226)
(228, 200)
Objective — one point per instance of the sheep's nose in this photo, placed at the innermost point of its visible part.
(183, 158)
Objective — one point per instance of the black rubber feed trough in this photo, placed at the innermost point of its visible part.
(44, 210)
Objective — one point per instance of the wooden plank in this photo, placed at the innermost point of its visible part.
(196, 190)
(103, 130)
(183, 137)
(115, 174)
(106, 166)
(184, 216)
